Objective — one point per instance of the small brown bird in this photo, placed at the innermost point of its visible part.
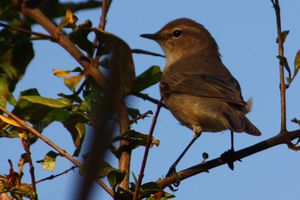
(196, 86)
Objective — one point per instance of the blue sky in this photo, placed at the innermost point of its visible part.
(245, 32)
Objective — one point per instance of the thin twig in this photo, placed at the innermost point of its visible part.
(148, 144)
(105, 7)
(142, 116)
(53, 145)
(141, 51)
(281, 66)
(16, 28)
(56, 175)
(26, 146)
(281, 138)
(148, 98)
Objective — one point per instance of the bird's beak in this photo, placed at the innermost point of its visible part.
(154, 36)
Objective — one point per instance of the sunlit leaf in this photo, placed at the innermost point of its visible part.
(45, 101)
(9, 121)
(48, 162)
(72, 82)
(61, 73)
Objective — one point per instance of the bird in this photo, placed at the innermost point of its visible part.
(196, 86)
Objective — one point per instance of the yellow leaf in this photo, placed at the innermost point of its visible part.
(73, 81)
(9, 121)
(70, 17)
(61, 73)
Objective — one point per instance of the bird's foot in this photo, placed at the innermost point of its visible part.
(172, 172)
(230, 157)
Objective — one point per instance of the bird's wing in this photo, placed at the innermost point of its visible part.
(204, 85)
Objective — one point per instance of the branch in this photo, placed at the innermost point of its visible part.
(148, 98)
(142, 116)
(148, 143)
(281, 65)
(64, 41)
(283, 137)
(17, 28)
(141, 51)
(56, 175)
(52, 144)
(26, 146)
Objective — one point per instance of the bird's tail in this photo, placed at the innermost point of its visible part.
(250, 128)
(238, 122)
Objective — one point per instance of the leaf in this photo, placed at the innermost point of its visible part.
(9, 121)
(136, 139)
(285, 63)
(284, 34)
(122, 61)
(80, 37)
(61, 73)
(72, 82)
(115, 177)
(48, 162)
(77, 130)
(148, 78)
(133, 112)
(296, 121)
(49, 102)
(69, 21)
(150, 188)
(296, 63)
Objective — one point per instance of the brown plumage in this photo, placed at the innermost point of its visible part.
(196, 87)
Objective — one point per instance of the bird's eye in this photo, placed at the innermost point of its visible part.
(177, 33)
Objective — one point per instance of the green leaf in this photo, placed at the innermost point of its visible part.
(49, 102)
(136, 139)
(150, 188)
(284, 34)
(296, 63)
(133, 112)
(148, 78)
(48, 162)
(115, 177)
(80, 37)
(122, 61)
(285, 63)
(77, 130)
(296, 121)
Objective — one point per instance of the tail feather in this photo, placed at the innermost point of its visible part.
(238, 122)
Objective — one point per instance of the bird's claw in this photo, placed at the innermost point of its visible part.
(229, 155)
(172, 172)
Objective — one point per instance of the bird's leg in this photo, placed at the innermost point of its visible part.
(197, 130)
(232, 141)
(229, 154)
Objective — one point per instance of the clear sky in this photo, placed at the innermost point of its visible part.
(245, 32)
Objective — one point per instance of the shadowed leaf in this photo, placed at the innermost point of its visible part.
(148, 78)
